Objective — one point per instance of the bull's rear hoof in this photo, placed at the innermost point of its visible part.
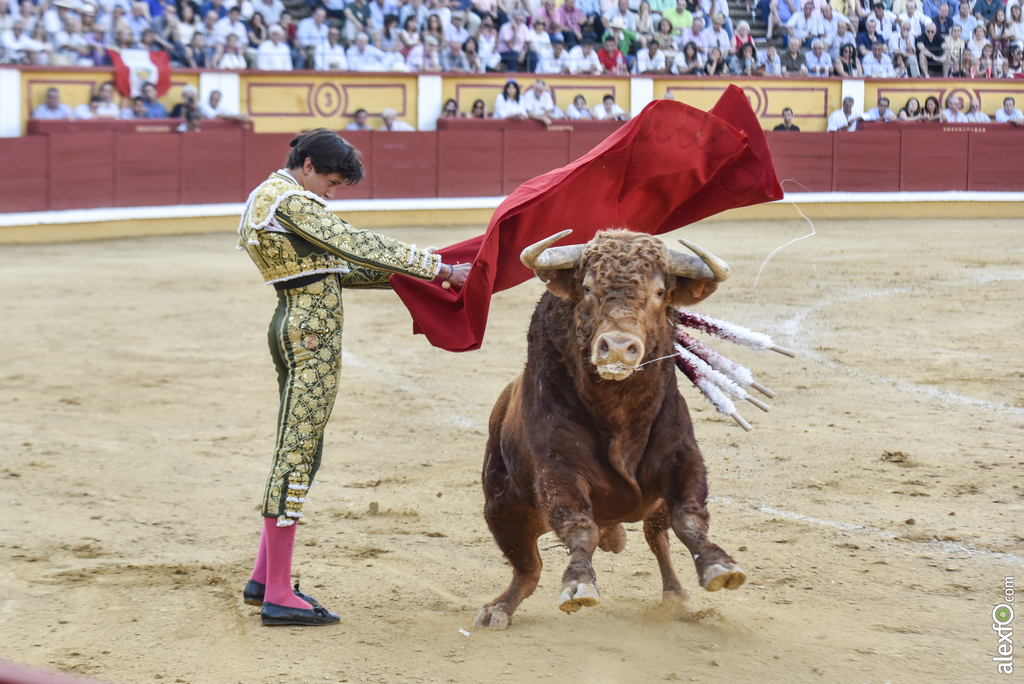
(574, 598)
(490, 617)
(730, 576)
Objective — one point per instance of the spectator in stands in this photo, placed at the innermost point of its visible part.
(917, 20)
(513, 46)
(985, 10)
(965, 20)
(479, 110)
(579, 109)
(877, 64)
(259, 33)
(154, 109)
(434, 28)
(456, 31)
(849, 63)
(904, 45)
(787, 122)
(392, 123)
(357, 20)
(620, 10)
(899, 67)
(990, 64)
(451, 110)
(932, 110)
(843, 119)
(712, 7)
(425, 57)
(138, 19)
(359, 121)
(943, 21)
(311, 34)
(715, 64)
(612, 59)
(451, 58)
(816, 60)
(71, 47)
(270, 9)
(231, 25)
(585, 59)
(609, 111)
(716, 36)
(844, 37)
(645, 27)
(17, 45)
(191, 123)
(768, 62)
(409, 36)
(331, 57)
(364, 57)
(213, 108)
(625, 40)
(1009, 113)
(53, 109)
(956, 53)
(189, 96)
(230, 55)
(931, 53)
(886, 19)
(508, 104)
(688, 61)
(745, 63)
(975, 44)
(107, 109)
(779, 13)
(791, 61)
(215, 5)
(869, 37)
(1014, 32)
(199, 54)
(651, 60)
(210, 20)
(679, 17)
(539, 40)
(881, 112)
(487, 44)
(87, 111)
(538, 103)
(43, 48)
(741, 37)
(558, 62)
(275, 55)
(997, 32)
(664, 36)
(387, 39)
(952, 113)
(911, 111)
(1014, 62)
(188, 23)
(975, 115)
(474, 62)
(379, 12)
(834, 31)
(572, 21)
(136, 111)
(488, 9)
(695, 35)
(803, 26)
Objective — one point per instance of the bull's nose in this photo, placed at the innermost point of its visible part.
(618, 348)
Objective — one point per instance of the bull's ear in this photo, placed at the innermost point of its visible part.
(688, 291)
(560, 282)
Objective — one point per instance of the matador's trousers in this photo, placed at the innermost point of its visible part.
(305, 343)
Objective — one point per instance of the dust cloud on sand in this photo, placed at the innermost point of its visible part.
(877, 508)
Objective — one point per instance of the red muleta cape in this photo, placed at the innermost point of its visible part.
(670, 166)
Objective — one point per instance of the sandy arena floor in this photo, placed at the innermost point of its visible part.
(877, 508)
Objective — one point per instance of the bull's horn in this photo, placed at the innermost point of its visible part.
(542, 255)
(708, 267)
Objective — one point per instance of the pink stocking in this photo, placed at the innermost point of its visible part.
(280, 542)
(259, 571)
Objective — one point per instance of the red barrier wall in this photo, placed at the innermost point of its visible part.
(75, 166)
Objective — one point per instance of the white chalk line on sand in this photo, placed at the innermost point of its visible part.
(950, 548)
(793, 328)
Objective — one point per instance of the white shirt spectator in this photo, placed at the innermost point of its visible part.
(886, 25)
(270, 57)
(980, 117)
(576, 114)
(539, 42)
(582, 64)
(917, 22)
(308, 33)
(537, 106)
(271, 10)
(958, 117)
(601, 113)
(108, 110)
(225, 27)
(644, 61)
(562, 64)
(82, 112)
(629, 18)
(452, 34)
(713, 7)
(837, 121)
(62, 111)
(137, 24)
(504, 109)
(17, 46)
(873, 115)
(837, 43)
(331, 58)
(398, 126)
(818, 66)
(1001, 116)
(699, 39)
(370, 59)
(804, 26)
(877, 68)
(719, 39)
(772, 68)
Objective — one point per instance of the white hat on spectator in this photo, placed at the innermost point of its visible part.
(617, 23)
(87, 9)
(458, 15)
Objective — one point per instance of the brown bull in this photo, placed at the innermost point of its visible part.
(594, 433)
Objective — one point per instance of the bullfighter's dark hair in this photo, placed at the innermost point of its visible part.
(329, 153)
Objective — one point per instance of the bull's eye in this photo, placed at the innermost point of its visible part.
(659, 294)
(587, 291)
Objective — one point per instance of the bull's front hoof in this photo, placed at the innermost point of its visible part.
(730, 576)
(491, 617)
(574, 598)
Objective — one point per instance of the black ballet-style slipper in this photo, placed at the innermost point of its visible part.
(254, 592)
(274, 615)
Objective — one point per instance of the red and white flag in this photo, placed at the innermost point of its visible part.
(134, 68)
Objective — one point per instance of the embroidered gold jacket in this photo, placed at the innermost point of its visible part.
(289, 233)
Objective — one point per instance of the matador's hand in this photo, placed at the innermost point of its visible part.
(454, 275)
